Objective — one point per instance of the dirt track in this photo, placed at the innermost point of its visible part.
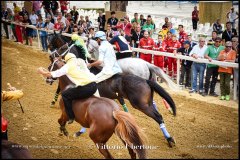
(201, 129)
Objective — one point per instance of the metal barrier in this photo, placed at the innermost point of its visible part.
(178, 57)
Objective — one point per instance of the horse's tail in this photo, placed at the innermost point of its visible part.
(128, 130)
(157, 88)
(159, 72)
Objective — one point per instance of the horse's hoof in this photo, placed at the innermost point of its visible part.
(171, 142)
(52, 104)
(60, 134)
(66, 133)
(77, 134)
(170, 111)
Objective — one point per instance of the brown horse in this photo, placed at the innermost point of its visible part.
(103, 117)
(137, 90)
(12, 150)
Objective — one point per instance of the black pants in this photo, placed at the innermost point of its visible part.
(185, 71)
(123, 55)
(194, 24)
(212, 72)
(79, 92)
(4, 135)
(5, 26)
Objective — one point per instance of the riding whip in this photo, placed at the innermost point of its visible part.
(14, 89)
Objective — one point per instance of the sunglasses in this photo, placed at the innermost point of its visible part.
(229, 46)
(217, 41)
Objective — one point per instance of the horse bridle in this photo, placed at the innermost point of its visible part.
(51, 80)
(65, 52)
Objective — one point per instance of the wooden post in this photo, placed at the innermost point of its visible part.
(118, 5)
(210, 11)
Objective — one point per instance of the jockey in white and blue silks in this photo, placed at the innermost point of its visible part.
(107, 58)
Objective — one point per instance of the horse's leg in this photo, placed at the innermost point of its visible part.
(122, 102)
(56, 96)
(130, 150)
(155, 105)
(103, 150)
(63, 119)
(150, 111)
(100, 140)
(62, 123)
(78, 133)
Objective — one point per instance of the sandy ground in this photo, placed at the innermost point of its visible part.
(204, 127)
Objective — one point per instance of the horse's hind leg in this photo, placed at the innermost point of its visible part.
(130, 150)
(100, 141)
(103, 150)
(122, 102)
(150, 111)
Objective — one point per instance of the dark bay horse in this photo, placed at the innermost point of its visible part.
(137, 90)
(103, 118)
(11, 150)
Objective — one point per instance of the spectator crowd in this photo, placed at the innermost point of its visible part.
(126, 33)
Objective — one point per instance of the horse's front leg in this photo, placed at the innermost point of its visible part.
(56, 96)
(62, 123)
(63, 119)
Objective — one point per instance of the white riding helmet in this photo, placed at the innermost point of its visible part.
(101, 35)
(69, 56)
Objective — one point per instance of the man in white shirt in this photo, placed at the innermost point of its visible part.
(33, 17)
(232, 16)
(107, 58)
(197, 52)
(49, 24)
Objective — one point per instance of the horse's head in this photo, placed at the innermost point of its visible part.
(56, 63)
(55, 41)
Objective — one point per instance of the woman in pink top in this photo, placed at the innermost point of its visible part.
(37, 6)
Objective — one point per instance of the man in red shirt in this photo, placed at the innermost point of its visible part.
(146, 43)
(182, 35)
(167, 40)
(172, 63)
(159, 60)
(57, 25)
(64, 7)
(195, 18)
(126, 26)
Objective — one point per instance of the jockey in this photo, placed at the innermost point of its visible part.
(84, 86)
(79, 42)
(122, 46)
(107, 58)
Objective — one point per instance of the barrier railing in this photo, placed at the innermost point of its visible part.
(178, 57)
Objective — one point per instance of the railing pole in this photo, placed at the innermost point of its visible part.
(178, 71)
(235, 81)
(38, 39)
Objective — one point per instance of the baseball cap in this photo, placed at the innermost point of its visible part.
(186, 42)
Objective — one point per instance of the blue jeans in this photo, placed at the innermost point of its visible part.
(198, 68)
(44, 42)
(34, 33)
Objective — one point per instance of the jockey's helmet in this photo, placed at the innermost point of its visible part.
(69, 56)
(101, 35)
(74, 37)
